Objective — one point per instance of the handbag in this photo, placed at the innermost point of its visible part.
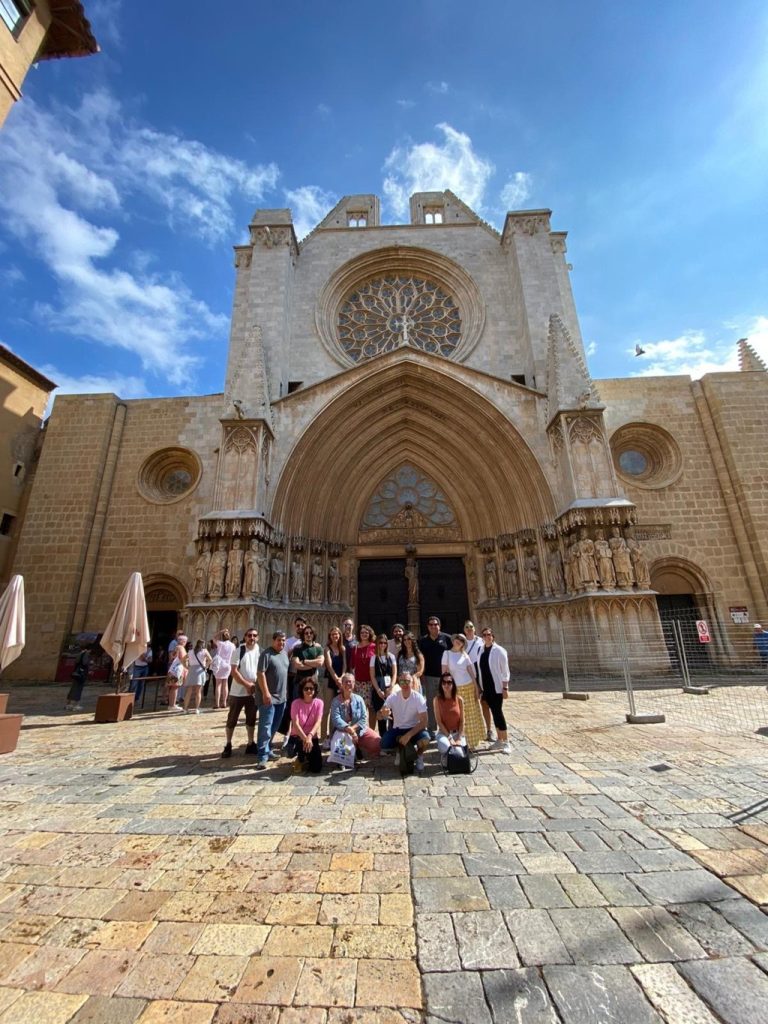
(343, 750)
(460, 761)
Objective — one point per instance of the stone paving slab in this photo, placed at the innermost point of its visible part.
(144, 879)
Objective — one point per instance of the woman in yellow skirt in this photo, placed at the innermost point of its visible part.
(458, 664)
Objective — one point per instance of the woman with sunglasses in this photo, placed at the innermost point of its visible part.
(359, 663)
(306, 719)
(410, 659)
(449, 715)
(383, 674)
(457, 664)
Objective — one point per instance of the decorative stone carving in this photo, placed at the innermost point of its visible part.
(238, 469)
(584, 430)
(639, 561)
(297, 579)
(532, 576)
(334, 582)
(408, 499)
(569, 567)
(202, 567)
(250, 581)
(317, 578)
(217, 571)
(243, 255)
(622, 561)
(491, 580)
(262, 570)
(276, 575)
(235, 569)
(605, 569)
(555, 569)
(585, 566)
(412, 576)
(511, 577)
(387, 312)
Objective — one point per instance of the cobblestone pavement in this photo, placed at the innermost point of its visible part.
(601, 872)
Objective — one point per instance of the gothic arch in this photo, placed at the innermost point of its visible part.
(675, 575)
(411, 410)
(164, 593)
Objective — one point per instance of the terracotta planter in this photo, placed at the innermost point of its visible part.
(4, 702)
(10, 727)
(114, 707)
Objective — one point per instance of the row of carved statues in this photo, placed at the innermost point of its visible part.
(223, 571)
(585, 564)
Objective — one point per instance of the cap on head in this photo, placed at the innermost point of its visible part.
(758, 626)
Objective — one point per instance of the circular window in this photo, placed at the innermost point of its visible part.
(169, 475)
(383, 314)
(646, 455)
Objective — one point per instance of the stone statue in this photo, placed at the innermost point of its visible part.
(316, 582)
(235, 569)
(412, 575)
(217, 571)
(491, 580)
(532, 574)
(639, 561)
(510, 575)
(605, 569)
(276, 574)
(334, 582)
(297, 579)
(585, 566)
(251, 566)
(568, 567)
(555, 570)
(262, 570)
(622, 561)
(202, 565)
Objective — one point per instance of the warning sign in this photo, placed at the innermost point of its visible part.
(739, 615)
(702, 628)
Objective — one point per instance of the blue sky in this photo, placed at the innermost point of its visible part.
(125, 178)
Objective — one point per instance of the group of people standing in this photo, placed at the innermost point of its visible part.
(383, 692)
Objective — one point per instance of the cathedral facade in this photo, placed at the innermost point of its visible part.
(408, 427)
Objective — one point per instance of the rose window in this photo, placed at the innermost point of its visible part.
(396, 310)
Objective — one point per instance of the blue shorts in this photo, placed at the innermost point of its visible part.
(391, 736)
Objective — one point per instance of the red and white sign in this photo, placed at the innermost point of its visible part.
(702, 628)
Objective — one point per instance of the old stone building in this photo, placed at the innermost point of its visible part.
(408, 426)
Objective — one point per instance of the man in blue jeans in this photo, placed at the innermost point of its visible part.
(408, 711)
(272, 694)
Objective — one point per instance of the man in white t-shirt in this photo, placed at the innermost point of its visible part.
(408, 711)
(222, 666)
(242, 694)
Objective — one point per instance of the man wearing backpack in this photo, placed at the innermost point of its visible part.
(242, 693)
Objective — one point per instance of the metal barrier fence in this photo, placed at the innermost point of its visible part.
(676, 670)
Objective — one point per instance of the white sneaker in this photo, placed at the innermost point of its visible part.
(78, 707)
(489, 736)
(197, 711)
(505, 748)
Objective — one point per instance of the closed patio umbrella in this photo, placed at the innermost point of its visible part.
(12, 622)
(127, 632)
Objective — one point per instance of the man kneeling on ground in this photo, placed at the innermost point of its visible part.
(408, 711)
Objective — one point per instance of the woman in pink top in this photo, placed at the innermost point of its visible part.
(306, 721)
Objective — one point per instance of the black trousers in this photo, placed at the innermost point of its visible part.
(495, 702)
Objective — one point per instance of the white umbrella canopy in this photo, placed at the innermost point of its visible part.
(127, 633)
(12, 622)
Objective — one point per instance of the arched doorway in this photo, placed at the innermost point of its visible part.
(165, 597)
(683, 595)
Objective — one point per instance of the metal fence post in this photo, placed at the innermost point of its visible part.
(568, 693)
(688, 687)
(633, 717)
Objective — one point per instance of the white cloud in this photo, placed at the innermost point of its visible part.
(93, 384)
(438, 88)
(406, 104)
(591, 348)
(695, 353)
(309, 204)
(323, 110)
(426, 167)
(76, 166)
(516, 190)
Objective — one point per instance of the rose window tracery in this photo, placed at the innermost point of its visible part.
(398, 309)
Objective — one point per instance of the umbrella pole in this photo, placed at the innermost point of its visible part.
(118, 670)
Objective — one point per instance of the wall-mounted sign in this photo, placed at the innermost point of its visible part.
(702, 628)
(739, 615)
